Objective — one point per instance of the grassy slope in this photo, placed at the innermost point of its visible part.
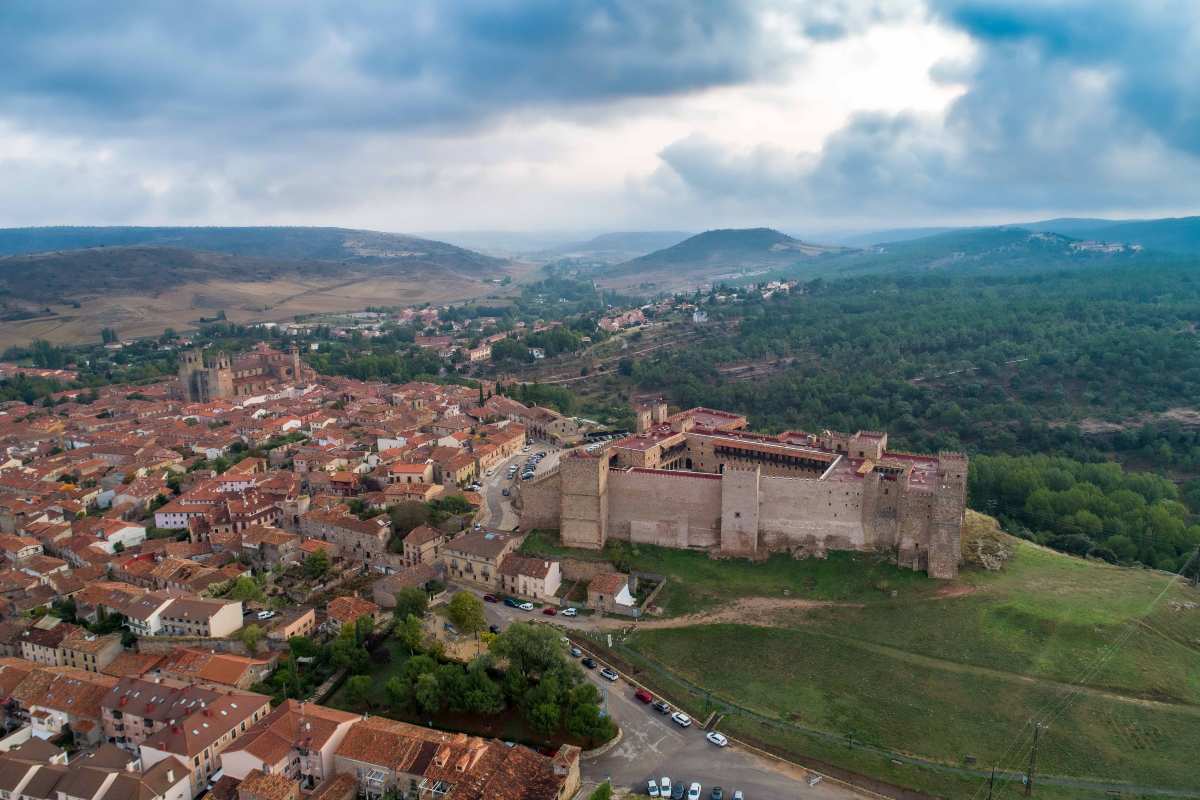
(946, 678)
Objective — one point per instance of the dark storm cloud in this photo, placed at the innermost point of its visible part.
(1068, 105)
(384, 65)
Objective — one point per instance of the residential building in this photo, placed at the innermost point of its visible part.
(37, 769)
(208, 666)
(198, 616)
(537, 578)
(88, 651)
(422, 545)
(295, 621)
(199, 738)
(347, 610)
(296, 740)
(385, 756)
(476, 556)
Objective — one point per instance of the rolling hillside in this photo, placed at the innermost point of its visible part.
(296, 244)
(65, 284)
(719, 254)
(978, 251)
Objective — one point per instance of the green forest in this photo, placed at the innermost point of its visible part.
(991, 364)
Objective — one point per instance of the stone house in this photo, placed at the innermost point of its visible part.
(84, 650)
(609, 592)
(476, 556)
(536, 578)
(422, 545)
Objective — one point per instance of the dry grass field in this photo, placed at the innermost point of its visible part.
(182, 307)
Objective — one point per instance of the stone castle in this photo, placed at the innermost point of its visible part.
(217, 377)
(698, 479)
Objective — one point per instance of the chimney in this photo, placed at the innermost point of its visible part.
(171, 777)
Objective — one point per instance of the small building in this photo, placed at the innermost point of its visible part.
(609, 592)
(297, 621)
(422, 545)
(347, 610)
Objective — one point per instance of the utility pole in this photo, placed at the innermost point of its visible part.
(1037, 730)
(991, 783)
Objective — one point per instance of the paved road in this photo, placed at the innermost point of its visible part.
(501, 514)
(653, 746)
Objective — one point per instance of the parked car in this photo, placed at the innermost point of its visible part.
(717, 793)
(644, 696)
(661, 706)
(681, 719)
(576, 652)
(677, 791)
(589, 662)
(716, 738)
(512, 602)
(490, 598)
(738, 795)
(493, 628)
(694, 792)
(506, 492)
(652, 788)
(570, 612)
(609, 673)
(526, 606)
(449, 628)
(664, 786)
(549, 611)
(266, 614)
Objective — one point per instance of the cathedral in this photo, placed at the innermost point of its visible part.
(218, 377)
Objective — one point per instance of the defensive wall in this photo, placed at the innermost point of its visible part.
(689, 485)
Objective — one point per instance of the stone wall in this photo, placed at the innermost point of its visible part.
(669, 509)
(810, 514)
(540, 502)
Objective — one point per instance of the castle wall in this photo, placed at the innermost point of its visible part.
(541, 502)
(802, 512)
(669, 509)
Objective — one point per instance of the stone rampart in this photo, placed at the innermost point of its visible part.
(669, 509)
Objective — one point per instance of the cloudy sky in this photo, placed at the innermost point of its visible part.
(428, 115)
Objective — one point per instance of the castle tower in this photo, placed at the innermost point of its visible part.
(294, 351)
(739, 512)
(644, 417)
(659, 412)
(946, 516)
(584, 490)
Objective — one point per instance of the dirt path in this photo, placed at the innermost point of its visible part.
(762, 611)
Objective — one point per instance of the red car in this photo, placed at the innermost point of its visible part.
(644, 696)
(490, 598)
(549, 611)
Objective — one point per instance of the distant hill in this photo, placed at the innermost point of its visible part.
(980, 250)
(628, 244)
(1176, 235)
(285, 243)
(730, 250)
(865, 238)
(137, 269)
